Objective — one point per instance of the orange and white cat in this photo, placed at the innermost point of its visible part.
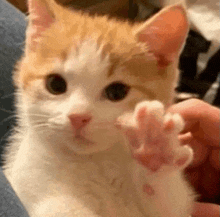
(93, 136)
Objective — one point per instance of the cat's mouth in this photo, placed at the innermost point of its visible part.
(82, 139)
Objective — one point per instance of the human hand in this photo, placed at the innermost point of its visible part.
(202, 132)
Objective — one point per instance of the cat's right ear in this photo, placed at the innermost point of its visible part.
(165, 33)
(40, 18)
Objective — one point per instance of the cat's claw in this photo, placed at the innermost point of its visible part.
(153, 137)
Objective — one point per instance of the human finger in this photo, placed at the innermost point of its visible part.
(209, 182)
(201, 119)
(186, 138)
(215, 159)
(200, 151)
(206, 210)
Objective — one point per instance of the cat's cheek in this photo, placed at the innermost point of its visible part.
(103, 136)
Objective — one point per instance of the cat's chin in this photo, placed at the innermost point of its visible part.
(90, 149)
(93, 143)
(85, 146)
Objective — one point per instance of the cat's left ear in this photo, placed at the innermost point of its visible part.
(165, 33)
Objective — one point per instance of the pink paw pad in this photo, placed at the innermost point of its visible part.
(148, 189)
(154, 137)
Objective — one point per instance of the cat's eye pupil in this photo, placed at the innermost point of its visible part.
(116, 91)
(55, 84)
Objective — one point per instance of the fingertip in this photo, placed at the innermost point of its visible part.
(185, 138)
(214, 159)
(200, 153)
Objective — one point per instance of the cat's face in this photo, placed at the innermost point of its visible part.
(82, 96)
(83, 75)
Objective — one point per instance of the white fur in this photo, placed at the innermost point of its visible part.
(55, 176)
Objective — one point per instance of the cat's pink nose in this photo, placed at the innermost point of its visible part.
(79, 120)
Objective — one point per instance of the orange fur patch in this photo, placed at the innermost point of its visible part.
(117, 39)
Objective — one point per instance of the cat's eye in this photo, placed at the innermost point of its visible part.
(55, 84)
(116, 91)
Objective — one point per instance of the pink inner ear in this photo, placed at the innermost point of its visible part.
(166, 33)
(40, 19)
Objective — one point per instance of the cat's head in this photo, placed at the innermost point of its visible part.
(80, 73)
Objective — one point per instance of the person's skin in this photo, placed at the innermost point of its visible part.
(202, 133)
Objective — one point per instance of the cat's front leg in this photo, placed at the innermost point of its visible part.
(159, 160)
(62, 205)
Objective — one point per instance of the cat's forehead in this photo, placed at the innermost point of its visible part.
(87, 58)
(87, 47)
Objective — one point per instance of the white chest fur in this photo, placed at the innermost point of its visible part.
(107, 189)
(99, 185)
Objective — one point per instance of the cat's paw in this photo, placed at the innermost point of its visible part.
(153, 137)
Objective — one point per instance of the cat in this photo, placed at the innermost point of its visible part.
(93, 137)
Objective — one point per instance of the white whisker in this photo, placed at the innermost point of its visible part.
(6, 96)
(37, 121)
(5, 136)
(60, 128)
(38, 115)
(8, 111)
(40, 125)
(8, 118)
